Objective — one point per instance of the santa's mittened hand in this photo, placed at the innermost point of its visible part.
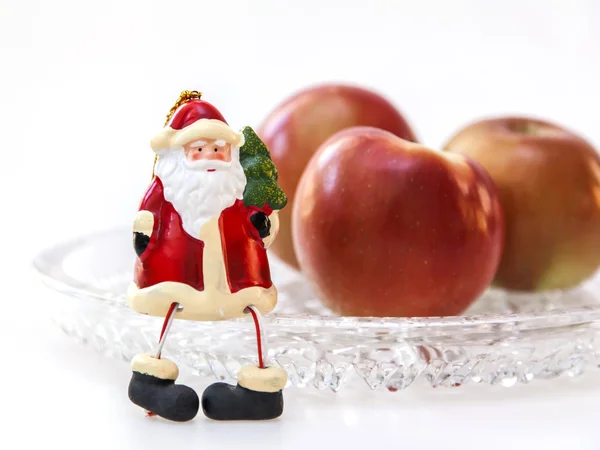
(262, 224)
(140, 242)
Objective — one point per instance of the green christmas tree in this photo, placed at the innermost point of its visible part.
(261, 173)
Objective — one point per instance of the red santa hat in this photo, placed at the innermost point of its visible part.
(193, 120)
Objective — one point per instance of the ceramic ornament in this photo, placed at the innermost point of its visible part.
(201, 235)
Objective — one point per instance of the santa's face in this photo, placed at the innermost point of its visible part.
(201, 184)
(209, 150)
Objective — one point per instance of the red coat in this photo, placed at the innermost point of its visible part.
(174, 255)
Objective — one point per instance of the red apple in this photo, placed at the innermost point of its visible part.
(297, 127)
(548, 181)
(386, 227)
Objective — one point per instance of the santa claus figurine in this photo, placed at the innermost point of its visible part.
(200, 236)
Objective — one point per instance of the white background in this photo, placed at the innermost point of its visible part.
(85, 85)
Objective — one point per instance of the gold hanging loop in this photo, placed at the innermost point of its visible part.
(184, 97)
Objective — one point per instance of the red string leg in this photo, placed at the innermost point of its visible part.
(258, 338)
(170, 312)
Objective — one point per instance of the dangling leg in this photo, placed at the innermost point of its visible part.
(153, 387)
(257, 396)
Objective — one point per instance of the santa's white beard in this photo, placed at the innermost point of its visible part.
(198, 195)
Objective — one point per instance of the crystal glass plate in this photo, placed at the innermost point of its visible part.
(503, 339)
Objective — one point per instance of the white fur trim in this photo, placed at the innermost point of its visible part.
(274, 218)
(207, 305)
(201, 129)
(159, 368)
(144, 223)
(270, 379)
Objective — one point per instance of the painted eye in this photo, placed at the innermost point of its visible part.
(199, 149)
(216, 150)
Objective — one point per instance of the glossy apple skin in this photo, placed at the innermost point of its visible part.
(297, 127)
(384, 227)
(548, 181)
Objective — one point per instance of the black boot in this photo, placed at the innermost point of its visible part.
(222, 401)
(163, 397)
